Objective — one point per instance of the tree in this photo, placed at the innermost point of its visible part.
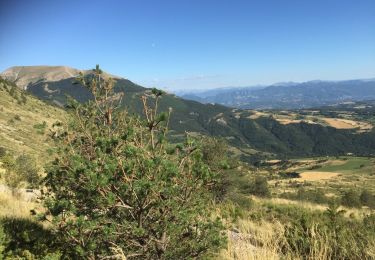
(214, 152)
(11, 177)
(28, 169)
(19, 170)
(258, 187)
(115, 190)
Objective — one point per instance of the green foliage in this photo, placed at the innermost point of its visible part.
(26, 239)
(329, 233)
(19, 170)
(214, 151)
(28, 169)
(41, 127)
(351, 199)
(302, 194)
(13, 91)
(262, 134)
(367, 199)
(215, 155)
(11, 177)
(116, 189)
(258, 187)
(289, 175)
(23, 99)
(3, 151)
(3, 242)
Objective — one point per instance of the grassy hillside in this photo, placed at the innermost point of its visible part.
(25, 121)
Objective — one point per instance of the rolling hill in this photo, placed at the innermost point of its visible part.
(290, 95)
(250, 137)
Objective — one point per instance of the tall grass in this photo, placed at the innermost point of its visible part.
(253, 241)
(14, 206)
(281, 231)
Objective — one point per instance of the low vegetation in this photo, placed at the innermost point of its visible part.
(26, 128)
(114, 190)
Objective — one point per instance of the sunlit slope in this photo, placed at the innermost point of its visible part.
(21, 121)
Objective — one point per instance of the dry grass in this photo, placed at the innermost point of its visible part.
(257, 114)
(14, 206)
(253, 241)
(357, 213)
(302, 204)
(266, 240)
(20, 136)
(316, 176)
(250, 239)
(347, 124)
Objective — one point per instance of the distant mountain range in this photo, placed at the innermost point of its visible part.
(247, 135)
(289, 95)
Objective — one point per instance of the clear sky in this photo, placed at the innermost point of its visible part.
(188, 44)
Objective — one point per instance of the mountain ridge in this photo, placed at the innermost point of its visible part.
(247, 133)
(290, 95)
(23, 76)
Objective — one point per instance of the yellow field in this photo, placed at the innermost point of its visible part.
(347, 124)
(317, 176)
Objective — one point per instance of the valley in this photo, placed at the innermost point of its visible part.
(260, 133)
(279, 166)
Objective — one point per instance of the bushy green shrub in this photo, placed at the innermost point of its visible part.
(367, 199)
(20, 169)
(41, 128)
(116, 188)
(214, 152)
(26, 167)
(22, 238)
(351, 198)
(258, 187)
(289, 175)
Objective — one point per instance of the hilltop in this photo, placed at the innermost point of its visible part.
(26, 76)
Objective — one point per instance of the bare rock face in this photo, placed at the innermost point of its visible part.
(25, 76)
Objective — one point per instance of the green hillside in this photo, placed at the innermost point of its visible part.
(264, 136)
(25, 121)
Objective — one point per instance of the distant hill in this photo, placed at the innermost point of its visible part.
(290, 95)
(249, 137)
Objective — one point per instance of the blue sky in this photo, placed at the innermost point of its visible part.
(181, 44)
